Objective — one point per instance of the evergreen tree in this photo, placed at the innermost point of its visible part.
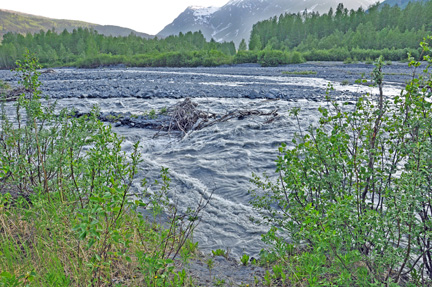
(255, 42)
(242, 45)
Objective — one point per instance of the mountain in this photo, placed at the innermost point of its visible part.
(234, 20)
(12, 21)
(401, 3)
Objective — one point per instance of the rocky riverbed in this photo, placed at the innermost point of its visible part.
(221, 158)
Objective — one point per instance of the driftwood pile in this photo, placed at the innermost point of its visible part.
(185, 117)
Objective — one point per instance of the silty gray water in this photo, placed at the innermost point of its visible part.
(219, 159)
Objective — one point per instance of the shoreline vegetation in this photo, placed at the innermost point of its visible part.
(67, 214)
(339, 35)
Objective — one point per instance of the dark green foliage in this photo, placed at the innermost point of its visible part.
(334, 54)
(268, 58)
(245, 57)
(242, 45)
(87, 48)
(272, 58)
(296, 58)
(337, 35)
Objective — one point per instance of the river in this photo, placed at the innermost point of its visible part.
(220, 159)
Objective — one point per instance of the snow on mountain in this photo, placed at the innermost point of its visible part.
(234, 20)
(203, 11)
(202, 14)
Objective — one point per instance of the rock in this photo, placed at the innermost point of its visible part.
(253, 94)
(274, 91)
(271, 96)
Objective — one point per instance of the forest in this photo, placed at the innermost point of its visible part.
(347, 34)
(339, 35)
(84, 47)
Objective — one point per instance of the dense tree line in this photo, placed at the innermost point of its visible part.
(345, 33)
(86, 48)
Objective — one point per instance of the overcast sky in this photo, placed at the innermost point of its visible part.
(148, 16)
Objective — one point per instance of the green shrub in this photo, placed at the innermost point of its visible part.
(100, 60)
(354, 191)
(348, 61)
(219, 252)
(272, 58)
(243, 57)
(334, 54)
(368, 61)
(245, 259)
(296, 58)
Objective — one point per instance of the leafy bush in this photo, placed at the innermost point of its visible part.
(271, 58)
(296, 58)
(243, 57)
(244, 259)
(100, 60)
(354, 192)
(335, 54)
(219, 252)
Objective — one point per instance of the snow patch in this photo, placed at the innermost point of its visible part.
(200, 11)
(201, 14)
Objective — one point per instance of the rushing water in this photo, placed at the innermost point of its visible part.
(217, 160)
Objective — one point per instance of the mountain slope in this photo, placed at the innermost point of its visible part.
(12, 21)
(234, 20)
(401, 3)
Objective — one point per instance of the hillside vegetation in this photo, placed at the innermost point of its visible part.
(16, 22)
